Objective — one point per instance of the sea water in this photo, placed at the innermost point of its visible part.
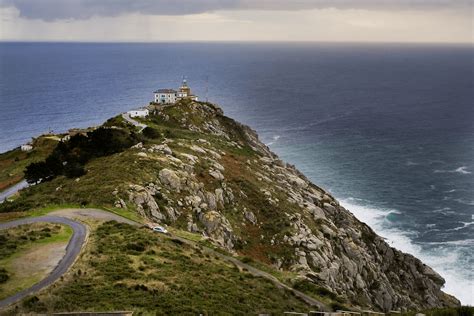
(388, 129)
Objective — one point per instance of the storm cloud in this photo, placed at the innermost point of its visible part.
(83, 9)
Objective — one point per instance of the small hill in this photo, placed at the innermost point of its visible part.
(199, 171)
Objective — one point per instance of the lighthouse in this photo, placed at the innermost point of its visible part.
(170, 96)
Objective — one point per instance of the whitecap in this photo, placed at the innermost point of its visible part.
(460, 170)
(465, 202)
(444, 259)
(442, 210)
(275, 138)
(464, 225)
(411, 163)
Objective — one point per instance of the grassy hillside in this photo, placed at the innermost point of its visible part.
(128, 268)
(20, 245)
(14, 162)
(199, 171)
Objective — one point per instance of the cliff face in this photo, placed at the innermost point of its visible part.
(214, 177)
(200, 171)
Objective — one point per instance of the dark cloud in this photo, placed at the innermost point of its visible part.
(83, 9)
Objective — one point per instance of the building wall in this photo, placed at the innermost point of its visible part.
(165, 98)
(138, 113)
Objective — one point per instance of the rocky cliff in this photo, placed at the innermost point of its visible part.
(214, 177)
(197, 170)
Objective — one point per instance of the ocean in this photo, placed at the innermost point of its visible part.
(388, 129)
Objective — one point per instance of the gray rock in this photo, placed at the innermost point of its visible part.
(170, 178)
(216, 174)
(250, 216)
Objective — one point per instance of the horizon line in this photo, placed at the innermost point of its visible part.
(238, 41)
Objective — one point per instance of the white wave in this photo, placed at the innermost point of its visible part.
(460, 170)
(275, 138)
(450, 191)
(463, 243)
(411, 163)
(462, 201)
(445, 260)
(464, 225)
(442, 210)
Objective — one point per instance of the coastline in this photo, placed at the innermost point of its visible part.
(252, 139)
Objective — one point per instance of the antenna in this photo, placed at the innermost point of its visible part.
(207, 87)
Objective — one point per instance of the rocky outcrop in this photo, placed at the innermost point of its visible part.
(228, 186)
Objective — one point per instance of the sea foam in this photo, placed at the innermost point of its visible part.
(460, 170)
(443, 257)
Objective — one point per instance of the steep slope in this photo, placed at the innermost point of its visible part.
(203, 172)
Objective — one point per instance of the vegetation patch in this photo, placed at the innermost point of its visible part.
(24, 249)
(129, 268)
(69, 157)
(14, 162)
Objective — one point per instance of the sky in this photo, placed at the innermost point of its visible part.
(419, 21)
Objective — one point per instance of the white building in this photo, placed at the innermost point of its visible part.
(165, 96)
(138, 113)
(171, 96)
(26, 147)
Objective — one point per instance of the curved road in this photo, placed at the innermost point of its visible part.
(67, 216)
(72, 251)
(127, 118)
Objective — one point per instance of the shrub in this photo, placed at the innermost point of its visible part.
(69, 158)
(3, 275)
(150, 132)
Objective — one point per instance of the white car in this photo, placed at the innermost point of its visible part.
(160, 229)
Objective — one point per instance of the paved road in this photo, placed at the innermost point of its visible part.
(12, 190)
(66, 216)
(127, 118)
(72, 251)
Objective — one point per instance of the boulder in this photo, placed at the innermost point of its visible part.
(170, 178)
(216, 174)
(250, 216)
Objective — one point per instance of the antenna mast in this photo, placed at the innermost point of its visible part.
(207, 87)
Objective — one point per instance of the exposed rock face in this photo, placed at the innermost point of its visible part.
(170, 178)
(231, 188)
(144, 199)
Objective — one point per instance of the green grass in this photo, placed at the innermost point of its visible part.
(127, 268)
(124, 213)
(15, 243)
(13, 162)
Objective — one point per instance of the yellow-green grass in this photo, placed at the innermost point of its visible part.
(20, 247)
(10, 216)
(14, 162)
(128, 268)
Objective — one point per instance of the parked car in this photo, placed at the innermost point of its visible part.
(160, 229)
